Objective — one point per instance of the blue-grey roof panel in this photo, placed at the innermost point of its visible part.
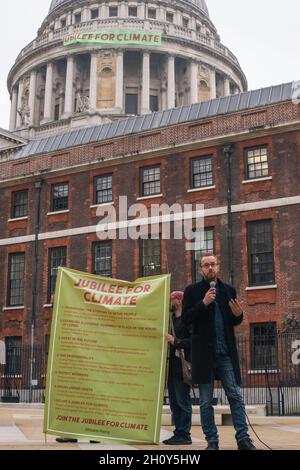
(184, 114)
(204, 110)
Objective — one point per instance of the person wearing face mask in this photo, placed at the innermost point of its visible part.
(211, 309)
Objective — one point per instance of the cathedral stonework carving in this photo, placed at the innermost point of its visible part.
(106, 80)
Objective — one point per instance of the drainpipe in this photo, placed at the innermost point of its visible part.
(227, 153)
(38, 186)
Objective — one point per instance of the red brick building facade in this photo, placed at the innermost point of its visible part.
(243, 165)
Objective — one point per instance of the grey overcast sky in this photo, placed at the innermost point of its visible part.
(263, 34)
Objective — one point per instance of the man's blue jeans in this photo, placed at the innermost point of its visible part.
(181, 405)
(225, 372)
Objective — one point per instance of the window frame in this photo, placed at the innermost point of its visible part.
(51, 250)
(246, 162)
(14, 205)
(78, 17)
(193, 174)
(15, 370)
(94, 11)
(20, 280)
(135, 112)
(170, 17)
(157, 265)
(251, 273)
(142, 182)
(102, 244)
(130, 8)
(96, 191)
(258, 361)
(153, 12)
(53, 186)
(115, 9)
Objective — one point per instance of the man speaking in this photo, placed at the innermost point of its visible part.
(210, 307)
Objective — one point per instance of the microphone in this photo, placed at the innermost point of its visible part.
(213, 284)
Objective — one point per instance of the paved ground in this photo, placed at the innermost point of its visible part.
(21, 429)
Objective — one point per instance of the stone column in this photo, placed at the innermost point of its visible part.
(194, 82)
(141, 11)
(171, 81)
(226, 86)
(104, 10)
(120, 81)
(32, 98)
(19, 105)
(93, 82)
(69, 95)
(213, 84)
(13, 110)
(85, 14)
(69, 19)
(48, 112)
(123, 11)
(145, 109)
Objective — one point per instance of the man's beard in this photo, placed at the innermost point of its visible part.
(210, 277)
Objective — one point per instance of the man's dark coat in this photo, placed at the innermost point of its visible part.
(202, 321)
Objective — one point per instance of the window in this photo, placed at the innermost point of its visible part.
(152, 13)
(60, 197)
(260, 252)
(77, 18)
(94, 13)
(170, 17)
(113, 11)
(201, 173)
(57, 258)
(102, 259)
(150, 181)
(257, 165)
(131, 103)
(16, 271)
(19, 204)
(153, 103)
(56, 112)
(103, 189)
(185, 22)
(207, 246)
(150, 256)
(263, 340)
(63, 23)
(132, 11)
(13, 355)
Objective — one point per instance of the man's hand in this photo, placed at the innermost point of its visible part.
(210, 296)
(171, 339)
(236, 307)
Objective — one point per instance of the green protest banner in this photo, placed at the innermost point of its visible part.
(107, 358)
(115, 37)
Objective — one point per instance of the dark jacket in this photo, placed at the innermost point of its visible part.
(202, 320)
(182, 341)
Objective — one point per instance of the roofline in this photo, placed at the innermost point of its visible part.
(135, 125)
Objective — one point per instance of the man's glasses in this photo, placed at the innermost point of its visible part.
(208, 265)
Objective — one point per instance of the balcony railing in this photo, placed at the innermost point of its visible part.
(169, 30)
